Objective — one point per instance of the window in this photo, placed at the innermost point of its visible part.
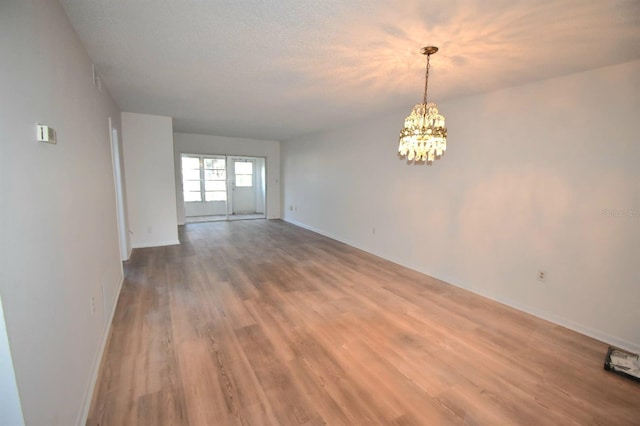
(191, 183)
(215, 179)
(244, 173)
(204, 178)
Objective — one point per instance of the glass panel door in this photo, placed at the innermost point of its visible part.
(216, 186)
(204, 185)
(243, 186)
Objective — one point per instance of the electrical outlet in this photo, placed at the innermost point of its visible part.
(373, 231)
(542, 276)
(93, 305)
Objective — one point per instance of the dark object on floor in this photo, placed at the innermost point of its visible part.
(623, 362)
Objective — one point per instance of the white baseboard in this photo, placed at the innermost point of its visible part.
(157, 244)
(556, 319)
(86, 405)
(571, 325)
(328, 235)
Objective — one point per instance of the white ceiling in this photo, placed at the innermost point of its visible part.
(281, 68)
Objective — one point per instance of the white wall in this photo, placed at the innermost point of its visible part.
(187, 143)
(148, 165)
(59, 241)
(528, 182)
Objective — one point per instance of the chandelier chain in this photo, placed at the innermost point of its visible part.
(426, 81)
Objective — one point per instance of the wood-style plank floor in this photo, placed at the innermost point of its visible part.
(264, 323)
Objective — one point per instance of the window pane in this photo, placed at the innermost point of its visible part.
(190, 163)
(215, 175)
(192, 196)
(191, 174)
(243, 168)
(214, 163)
(244, 180)
(191, 185)
(215, 185)
(216, 196)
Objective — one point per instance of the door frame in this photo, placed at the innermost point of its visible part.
(231, 180)
(228, 157)
(119, 192)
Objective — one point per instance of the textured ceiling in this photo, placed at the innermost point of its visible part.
(278, 69)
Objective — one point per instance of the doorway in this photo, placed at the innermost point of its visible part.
(223, 187)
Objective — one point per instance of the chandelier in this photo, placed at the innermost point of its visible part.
(424, 136)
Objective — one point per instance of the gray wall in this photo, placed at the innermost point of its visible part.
(59, 242)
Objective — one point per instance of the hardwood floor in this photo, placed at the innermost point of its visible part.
(263, 323)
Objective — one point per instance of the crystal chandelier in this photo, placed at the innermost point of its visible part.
(424, 136)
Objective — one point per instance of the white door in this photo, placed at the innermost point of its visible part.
(243, 185)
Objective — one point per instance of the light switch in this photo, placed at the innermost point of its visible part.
(46, 134)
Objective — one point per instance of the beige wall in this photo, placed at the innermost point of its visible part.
(529, 181)
(58, 229)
